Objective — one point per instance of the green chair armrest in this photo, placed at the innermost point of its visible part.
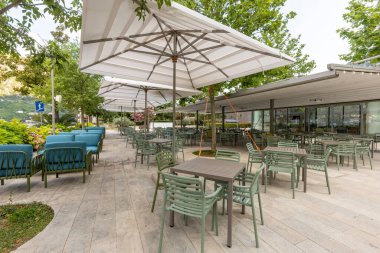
(214, 194)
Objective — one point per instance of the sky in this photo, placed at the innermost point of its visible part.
(316, 22)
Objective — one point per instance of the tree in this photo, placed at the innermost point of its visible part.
(363, 35)
(262, 20)
(15, 31)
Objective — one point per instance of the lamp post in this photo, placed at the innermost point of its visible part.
(52, 94)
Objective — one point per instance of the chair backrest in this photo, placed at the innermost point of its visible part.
(316, 149)
(79, 131)
(66, 133)
(59, 138)
(15, 159)
(186, 193)
(251, 179)
(280, 158)
(287, 144)
(346, 147)
(103, 129)
(227, 155)
(253, 153)
(65, 152)
(89, 139)
(164, 160)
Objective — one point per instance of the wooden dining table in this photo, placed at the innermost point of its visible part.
(217, 170)
(298, 152)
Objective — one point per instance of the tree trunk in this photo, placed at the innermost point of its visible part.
(213, 123)
(97, 120)
(82, 117)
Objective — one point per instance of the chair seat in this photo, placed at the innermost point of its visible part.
(315, 167)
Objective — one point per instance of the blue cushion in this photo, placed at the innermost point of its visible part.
(92, 149)
(89, 139)
(103, 129)
(79, 131)
(65, 152)
(59, 138)
(66, 133)
(19, 155)
(16, 172)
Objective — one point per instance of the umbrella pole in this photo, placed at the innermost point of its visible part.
(174, 60)
(146, 111)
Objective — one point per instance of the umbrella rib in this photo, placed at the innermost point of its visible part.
(204, 56)
(122, 52)
(192, 43)
(114, 88)
(163, 32)
(237, 46)
(203, 49)
(162, 95)
(159, 58)
(144, 44)
(184, 60)
(109, 102)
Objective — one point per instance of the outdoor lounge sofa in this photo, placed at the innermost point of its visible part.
(17, 161)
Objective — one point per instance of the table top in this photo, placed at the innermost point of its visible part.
(159, 140)
(210, 168)
(296, 151)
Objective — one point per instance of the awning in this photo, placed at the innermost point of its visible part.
(341, 84)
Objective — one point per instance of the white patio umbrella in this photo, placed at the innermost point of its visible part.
(121, 92)
(175, 46)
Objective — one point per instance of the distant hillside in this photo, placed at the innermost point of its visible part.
(15, 106)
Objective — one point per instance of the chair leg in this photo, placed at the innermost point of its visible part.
(155, 192)
(369, 158)
(45, 179)
(261, 210)
(216, 218)
(338, 160)
(2, 181)
(327, 180)
(28, 183)
(162, 229)
(136, 160)
(265, 180)
(254, 223)
(148, 162)
(84, 176)
(292, 182)
(203, 234)
(298, 176)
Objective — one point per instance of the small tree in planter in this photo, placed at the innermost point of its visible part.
(139, 117)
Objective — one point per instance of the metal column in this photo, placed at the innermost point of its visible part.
(271, 116)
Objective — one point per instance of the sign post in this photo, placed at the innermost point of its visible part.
(40, 108)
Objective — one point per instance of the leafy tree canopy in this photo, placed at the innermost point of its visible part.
(363, 35)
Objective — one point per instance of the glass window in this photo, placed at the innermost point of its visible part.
(336, 119)
(257, 120)
(351, 118)
(322, 117)
(296, 119)
(372, 117)
(281, 119)
(312, 118)
(266, 121)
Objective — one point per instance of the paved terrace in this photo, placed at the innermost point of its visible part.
(111, 212)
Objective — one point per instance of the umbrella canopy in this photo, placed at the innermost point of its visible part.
(121, 108)
(127, 93)
(174, 46)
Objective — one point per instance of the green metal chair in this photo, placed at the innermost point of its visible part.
(364, 147)
(185, 195)
(254, 156)
(144, 148)
(164, 161)
(244, 193)
(345, 149)
(278, 161)
(227, 155)
(319, 163)
(315, 149)
(287, 144)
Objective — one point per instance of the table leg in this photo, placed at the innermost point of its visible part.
(372, 149)
(304, 173)
(229, 210)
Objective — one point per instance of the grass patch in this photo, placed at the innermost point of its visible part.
(21, 222)
(205, 153)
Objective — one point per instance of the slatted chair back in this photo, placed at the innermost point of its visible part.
(287, 144)
(243, 194)
(280, 159)
(227, 155)
(254, 155)
(316, 149)
(164, 160)
(346, 148)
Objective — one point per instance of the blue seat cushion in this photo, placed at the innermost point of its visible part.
(79, 131)
(13, 173)
(89, 139)
(59, 138)
(103, 129)
(92, 149)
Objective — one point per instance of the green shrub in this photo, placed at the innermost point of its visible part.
(14, 132)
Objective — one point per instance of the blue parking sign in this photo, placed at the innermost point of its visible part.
(40, 107)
